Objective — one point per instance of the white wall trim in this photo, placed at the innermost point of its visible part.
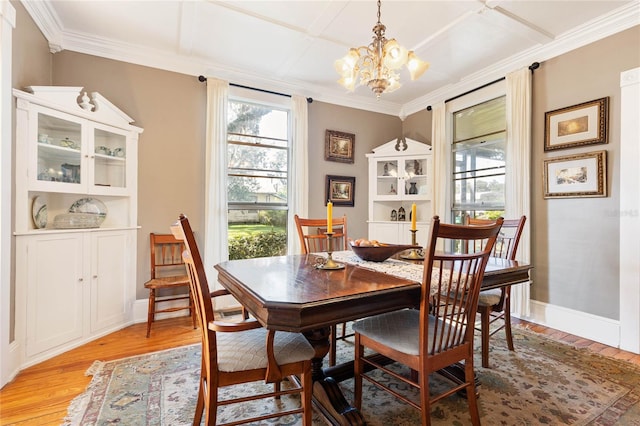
(630, 210)
(8, 365)
(588, 326)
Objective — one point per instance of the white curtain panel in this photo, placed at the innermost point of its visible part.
(215, 231)
(299, 166)
(518, 173)
(441, 162)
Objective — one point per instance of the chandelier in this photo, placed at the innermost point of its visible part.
(376, 64)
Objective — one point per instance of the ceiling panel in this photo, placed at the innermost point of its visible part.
(557, 17)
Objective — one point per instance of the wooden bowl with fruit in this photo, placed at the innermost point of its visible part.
(375, 251)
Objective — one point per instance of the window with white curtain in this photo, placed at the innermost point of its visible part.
(258, 147)
(479, 159)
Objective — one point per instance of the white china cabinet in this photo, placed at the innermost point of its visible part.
(75, 218)
(400, 174)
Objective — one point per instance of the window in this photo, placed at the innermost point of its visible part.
(257, 178)
(478, 153)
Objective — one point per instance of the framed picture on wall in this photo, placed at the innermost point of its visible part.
(340, 190)
(578, 125)
(580, 175)
(339, 146)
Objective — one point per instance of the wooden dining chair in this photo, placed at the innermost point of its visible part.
(440, 333)
(242, 352)
(168, 272)
(313, 239)
(494, 306)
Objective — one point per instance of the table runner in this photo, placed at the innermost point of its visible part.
(397, 268)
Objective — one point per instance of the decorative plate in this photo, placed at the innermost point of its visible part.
(90, 205)
(39, 212)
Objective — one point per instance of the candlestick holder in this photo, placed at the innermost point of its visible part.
(413, 254)
(330, 263)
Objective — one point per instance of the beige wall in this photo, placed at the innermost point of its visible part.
(575, 241)
(569, 271)
(170, 107)
(31, 59)
(417, 126)
(371, 130)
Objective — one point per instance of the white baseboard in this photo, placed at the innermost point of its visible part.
(13, 362)
(588, 326)
(38, 358)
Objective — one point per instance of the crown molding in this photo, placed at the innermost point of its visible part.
(47, 20)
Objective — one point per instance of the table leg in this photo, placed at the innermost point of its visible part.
(327, 396)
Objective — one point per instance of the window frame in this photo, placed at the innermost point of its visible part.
(273, 101)
(479, 96)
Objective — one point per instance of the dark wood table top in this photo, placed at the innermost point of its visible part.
(288, 293)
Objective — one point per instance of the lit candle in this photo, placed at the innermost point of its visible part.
(329, 217)
(413, 216)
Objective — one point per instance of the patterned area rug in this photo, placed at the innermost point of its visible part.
(541, 383)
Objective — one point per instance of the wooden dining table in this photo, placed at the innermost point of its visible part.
(289, 293)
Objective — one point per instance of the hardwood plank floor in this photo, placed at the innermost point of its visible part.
(41, 394)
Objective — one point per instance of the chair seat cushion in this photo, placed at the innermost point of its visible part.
(163, 282)
(398, 330)
(489, 297)
(246, 350)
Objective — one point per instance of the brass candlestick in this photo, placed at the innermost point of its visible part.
(330, 263)
(413, 254)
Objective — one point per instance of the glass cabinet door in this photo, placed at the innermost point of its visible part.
(58, 150)
(415, 173)
(387, 177)
(110, 159)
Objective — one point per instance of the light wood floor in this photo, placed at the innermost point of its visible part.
(41, 394)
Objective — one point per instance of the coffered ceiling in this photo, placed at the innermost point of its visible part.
(290, 46)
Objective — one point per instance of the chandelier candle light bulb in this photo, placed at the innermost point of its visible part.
(329, 217)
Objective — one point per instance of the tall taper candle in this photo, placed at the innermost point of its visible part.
(413, 216)
(329, 217)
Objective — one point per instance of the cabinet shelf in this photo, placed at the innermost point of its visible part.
(109, 158)
(57, 150)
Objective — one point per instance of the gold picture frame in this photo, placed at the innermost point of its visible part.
(339, 146)
(578, 125)
(576, 176)
(340, 190)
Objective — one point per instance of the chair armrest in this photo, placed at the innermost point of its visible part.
(225, 292)
(218, 293)
(231, 327)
